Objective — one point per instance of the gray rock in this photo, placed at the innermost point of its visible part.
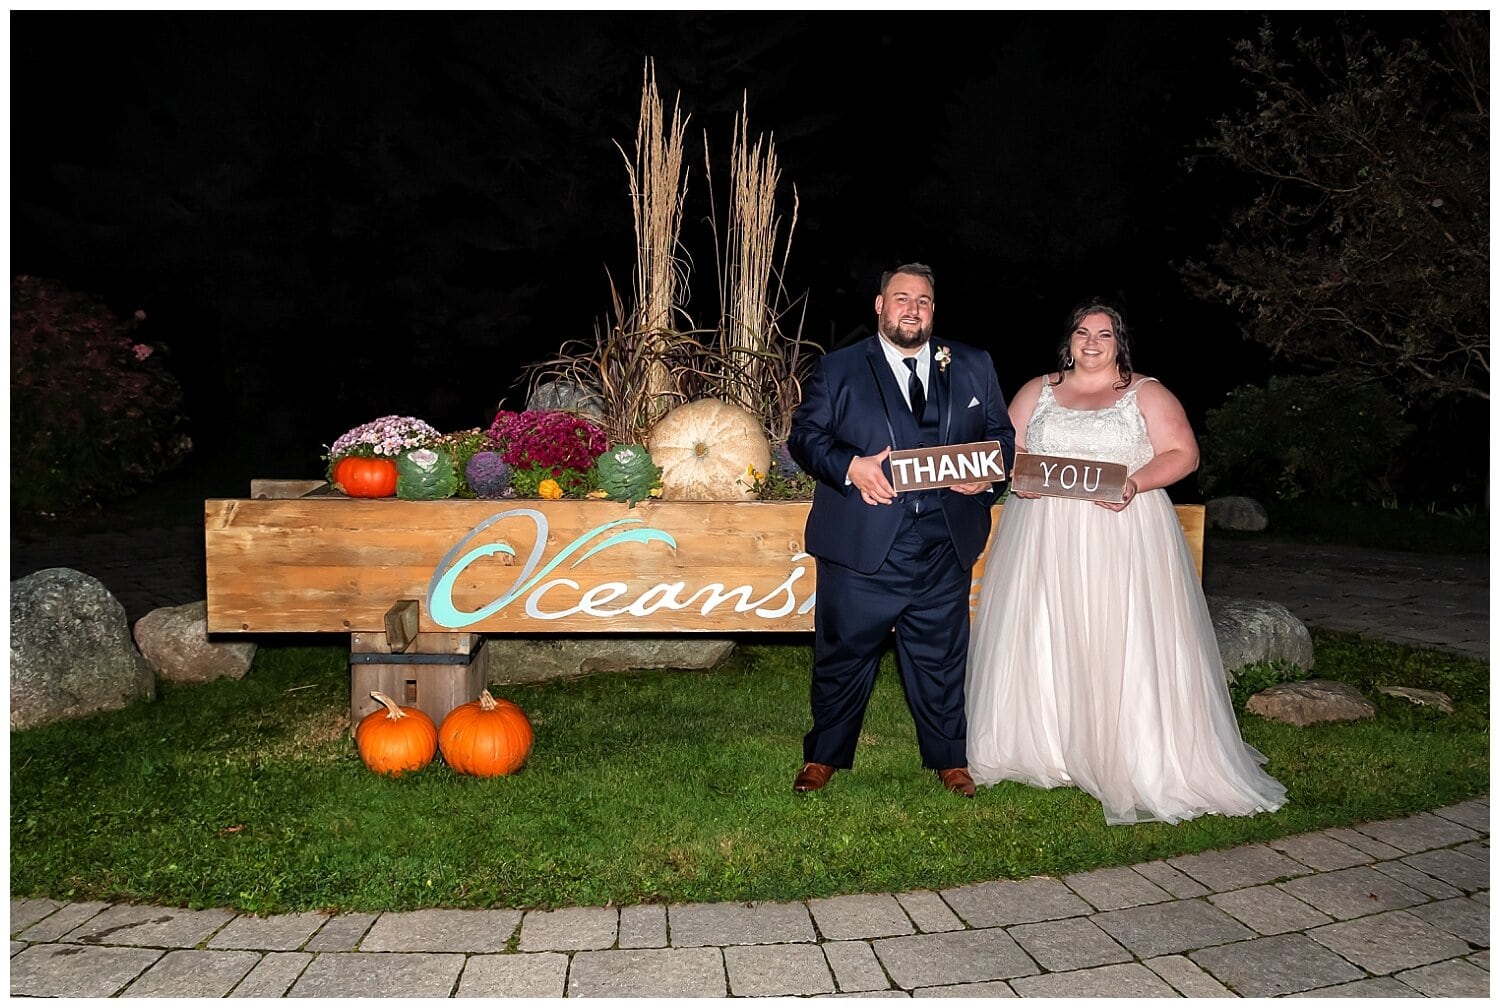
(521, 659)
(1239, 514)
(1310, 701)
(1256, 630)
(175, 641)
(1421, 697)
(575, 397)
(71, 653)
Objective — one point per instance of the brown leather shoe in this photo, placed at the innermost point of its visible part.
(812, 777)
(958, 781)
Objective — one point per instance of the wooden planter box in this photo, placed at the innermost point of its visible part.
(334, 564)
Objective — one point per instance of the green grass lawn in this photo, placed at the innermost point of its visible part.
(643, 787)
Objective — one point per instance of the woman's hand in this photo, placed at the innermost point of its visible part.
(1131, 489)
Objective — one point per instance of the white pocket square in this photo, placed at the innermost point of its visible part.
(973, 403)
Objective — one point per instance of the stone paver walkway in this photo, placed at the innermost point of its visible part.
(1398, 908)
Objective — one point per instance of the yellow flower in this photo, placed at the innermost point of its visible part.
(598, 494)
(656, 491)
(549, 489)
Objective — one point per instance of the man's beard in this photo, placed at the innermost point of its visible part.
(906, 339)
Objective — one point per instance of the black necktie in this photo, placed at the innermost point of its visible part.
(914, 392)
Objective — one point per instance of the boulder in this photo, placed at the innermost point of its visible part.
(1420, 697)
(70, 650)
(1257, 630)
(521, 659)
(1238, 514)
(1310, 701)
(572, 396)
(175, 641)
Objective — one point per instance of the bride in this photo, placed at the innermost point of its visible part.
(1093, 660)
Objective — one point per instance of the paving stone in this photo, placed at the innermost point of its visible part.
(442, 931)
(1164, 928)
(1130, 980)
(1480, 959)
(26, 912)
(1238, 867)
(1268, 910)
(1471, 874)
(193, 973)
(1271, 967)
(692, 924)
(928, 911)
(1186, 977)
(62, 921)
(1000, 904)
(1389, 942)
(76, 971)
(1410, 877)
(777, 970)
(1076, 943)
(868, 994)
(569, 929)
(1320, 851)
(1467, 918)
(515, 975)
(1452, 978)
(1370, 988)
(1353, 892)
(854, 966)
(128, 924)
(341, 932)
(279, 933)
(16, 946)
(273, 976)
(1359, 841)
(1115, 888)
(986, 989)
(668, 972)
(1420, 832)
(845, 917)
(952, 957)
(643, 926)
(1170, 879)
(1474, 814)
(379, 974)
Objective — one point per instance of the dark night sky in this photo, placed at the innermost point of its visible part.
(333, 217)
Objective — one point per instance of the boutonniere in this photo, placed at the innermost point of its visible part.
(943, 355)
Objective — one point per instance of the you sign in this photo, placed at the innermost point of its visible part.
(1059, 476)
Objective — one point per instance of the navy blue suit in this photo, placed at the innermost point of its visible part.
(904, 565)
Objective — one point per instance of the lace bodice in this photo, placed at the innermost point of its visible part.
(1113, 434)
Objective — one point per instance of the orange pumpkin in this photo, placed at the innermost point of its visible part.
(396, 739)
(358, 476)
(486, 738)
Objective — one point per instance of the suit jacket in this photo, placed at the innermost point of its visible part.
(853, 406)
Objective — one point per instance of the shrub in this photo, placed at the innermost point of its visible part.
(94, 412)
(1329, 437)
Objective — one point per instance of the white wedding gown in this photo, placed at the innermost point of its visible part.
(1092, 659)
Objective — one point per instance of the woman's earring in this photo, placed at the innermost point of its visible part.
(1068, 363)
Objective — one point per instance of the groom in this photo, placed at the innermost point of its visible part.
(886, 560)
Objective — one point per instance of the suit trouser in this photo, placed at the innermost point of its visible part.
(922, 591)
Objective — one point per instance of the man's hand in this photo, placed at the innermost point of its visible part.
(971, 488)
(868, 477)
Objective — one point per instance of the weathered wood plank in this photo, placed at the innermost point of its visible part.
(336, 564)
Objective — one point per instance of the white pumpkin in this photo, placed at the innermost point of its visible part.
(704, 449)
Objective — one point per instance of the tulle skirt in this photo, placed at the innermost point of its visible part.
(1093, 663)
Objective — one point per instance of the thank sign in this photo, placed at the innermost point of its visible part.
(947, 465)
(1060, 476)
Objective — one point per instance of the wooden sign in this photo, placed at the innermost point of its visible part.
(1060, 476)
(947, 465)
(335, 564)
